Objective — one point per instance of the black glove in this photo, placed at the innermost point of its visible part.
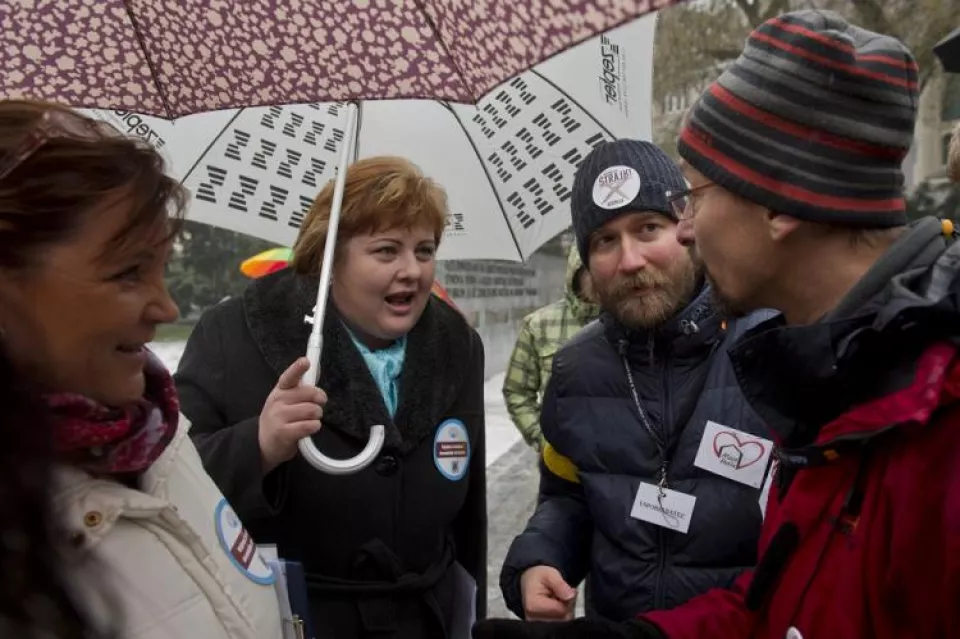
(582, 628)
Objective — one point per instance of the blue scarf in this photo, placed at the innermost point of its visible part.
(385, 366)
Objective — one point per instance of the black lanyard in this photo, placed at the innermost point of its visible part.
(657, 437)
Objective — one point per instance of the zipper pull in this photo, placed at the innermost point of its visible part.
(662, 484)
(689, 327)
(622, 347)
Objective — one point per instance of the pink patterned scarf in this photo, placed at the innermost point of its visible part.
(111, 441)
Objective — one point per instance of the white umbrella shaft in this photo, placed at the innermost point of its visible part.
(315, 343)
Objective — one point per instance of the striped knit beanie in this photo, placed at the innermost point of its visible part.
(813, 120)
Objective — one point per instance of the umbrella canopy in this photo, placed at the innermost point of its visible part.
(948, 50)
(507, 164)
(175, 57)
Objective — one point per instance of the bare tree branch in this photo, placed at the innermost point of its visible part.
(721, 55)
(774, 8)
(872, 15)
(694, 39)
(750, 10)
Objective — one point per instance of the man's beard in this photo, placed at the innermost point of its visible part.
(649, 297)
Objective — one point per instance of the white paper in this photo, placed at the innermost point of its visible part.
(272, 558)
(668, 508)
(733, 454)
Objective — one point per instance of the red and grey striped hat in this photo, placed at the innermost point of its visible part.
(812, 120)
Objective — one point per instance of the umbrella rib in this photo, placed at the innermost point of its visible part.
(210, 146)
(443, 45)
(574, 101)
(493, 187)
(356, 133)
(146, 56)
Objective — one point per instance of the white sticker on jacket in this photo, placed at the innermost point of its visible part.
(451, 449)
(734, 454)
(663, 507)
(239, 546)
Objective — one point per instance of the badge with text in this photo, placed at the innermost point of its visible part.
(239, 546)
(451, 449)
(734, 454)
(615, 187)
(663, 507)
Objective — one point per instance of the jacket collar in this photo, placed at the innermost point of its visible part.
(584, 312)
(880, 357)
(87, 507)
(435, 367)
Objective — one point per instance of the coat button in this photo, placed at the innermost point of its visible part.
(387, 465)
(93, 519)
(793, 633)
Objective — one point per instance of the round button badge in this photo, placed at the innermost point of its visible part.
(451, 449)
(240, 547)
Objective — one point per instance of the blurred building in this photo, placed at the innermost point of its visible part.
(495, 296)
(939, 114)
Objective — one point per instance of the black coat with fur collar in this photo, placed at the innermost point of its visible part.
(379, 546)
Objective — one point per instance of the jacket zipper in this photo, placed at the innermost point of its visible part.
(662, 444)
(666, 417)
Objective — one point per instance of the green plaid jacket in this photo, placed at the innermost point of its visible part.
(542, 334)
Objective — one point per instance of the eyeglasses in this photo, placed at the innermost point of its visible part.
(683, 203)
(53, 125)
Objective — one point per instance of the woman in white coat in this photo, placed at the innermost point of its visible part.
(110, 527)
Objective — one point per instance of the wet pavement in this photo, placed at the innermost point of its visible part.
(511, 496)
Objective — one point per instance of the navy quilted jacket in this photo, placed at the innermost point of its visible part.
(582, 525)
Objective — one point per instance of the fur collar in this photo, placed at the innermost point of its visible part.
(436, 365)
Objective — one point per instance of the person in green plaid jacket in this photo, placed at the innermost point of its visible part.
(543, 333)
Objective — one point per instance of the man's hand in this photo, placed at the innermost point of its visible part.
(546, 596)
(577, 629)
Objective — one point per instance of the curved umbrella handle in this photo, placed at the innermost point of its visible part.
(308, 449)
(333, 466)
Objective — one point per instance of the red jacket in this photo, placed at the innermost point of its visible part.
(869, 545)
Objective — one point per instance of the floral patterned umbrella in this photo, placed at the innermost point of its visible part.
(175, 57)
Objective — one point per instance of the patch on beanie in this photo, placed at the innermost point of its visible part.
(615, 187)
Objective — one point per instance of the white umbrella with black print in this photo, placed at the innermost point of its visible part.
(507, 163)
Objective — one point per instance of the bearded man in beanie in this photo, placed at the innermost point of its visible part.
(653, 463)
(796, 203)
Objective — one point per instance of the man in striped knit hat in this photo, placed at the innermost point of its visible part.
(795, 202)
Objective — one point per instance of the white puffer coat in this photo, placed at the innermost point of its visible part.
(169, 561)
